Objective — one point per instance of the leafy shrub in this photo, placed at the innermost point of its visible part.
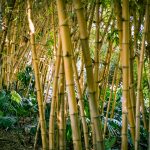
(7, 121)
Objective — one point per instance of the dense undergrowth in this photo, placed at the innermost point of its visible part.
(19, 112)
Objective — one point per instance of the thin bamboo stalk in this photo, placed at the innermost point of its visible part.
(61, 107)
(81, 104)
(37, 78)
(105, 74)
(139, 84)
(91, 17)
(131, 76)
(115, 92)
(54, 96)
(143, 111)
(110, 98)
(97, 49)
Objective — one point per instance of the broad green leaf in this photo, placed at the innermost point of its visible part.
(16, 97)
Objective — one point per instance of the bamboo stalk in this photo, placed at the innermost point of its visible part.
(97, 50)
(81, 104)
(54, 96)
(37, 78)
(67, 54)
(61, 108)
(110, 98)
(125, 67)
(88, 65)
(91, 17)
(131, 76)
(115, 91)
(139, 84)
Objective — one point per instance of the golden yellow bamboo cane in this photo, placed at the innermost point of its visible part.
(67, 54)
(125, 65)
(97, 50)
(131, 79)
(61, 107)
(81, 105)
(88, 65)
(139, 85)
(54, 96)
(37, 78)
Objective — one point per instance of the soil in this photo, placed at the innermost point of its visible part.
(13, 139)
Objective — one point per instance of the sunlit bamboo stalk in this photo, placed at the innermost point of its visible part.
(67, 54)
(88, 65)
(139, 83)
(37, 78)
(125, 68)
(81, 104)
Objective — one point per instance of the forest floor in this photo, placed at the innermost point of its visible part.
(15, 140)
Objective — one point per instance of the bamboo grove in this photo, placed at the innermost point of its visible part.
(78, 48)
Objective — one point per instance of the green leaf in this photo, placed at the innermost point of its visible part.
(16, 97)
(109, 143)
(7, 121)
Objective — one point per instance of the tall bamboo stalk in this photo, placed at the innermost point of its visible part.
(88, 65)
(97, 49)
(131, 75)
(54, 96)
(67, 54)
(139, 84)
(81, 104)
(61, 107)
(37, 77)
(125, 67)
